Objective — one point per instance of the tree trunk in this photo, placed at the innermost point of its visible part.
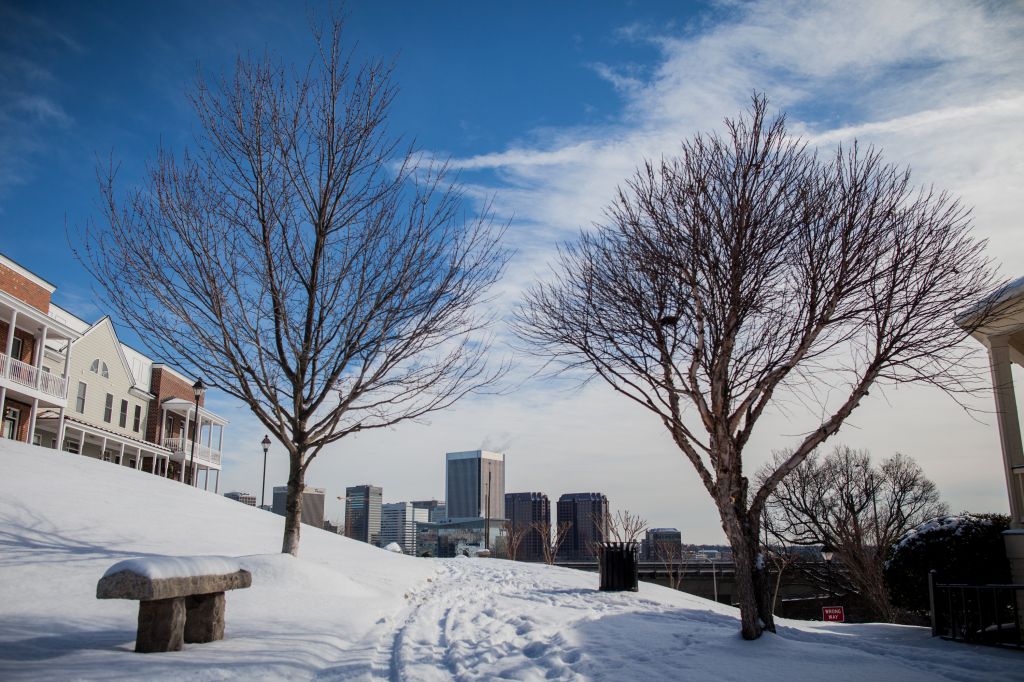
(753, 589)
(293, 507)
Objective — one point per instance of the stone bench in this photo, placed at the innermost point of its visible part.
(181, 599)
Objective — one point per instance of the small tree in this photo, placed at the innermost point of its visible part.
(961, 549)
(551, 538)
(670, 556)
(297, 259)
(746, 271)
(860, 510)
(514, 536)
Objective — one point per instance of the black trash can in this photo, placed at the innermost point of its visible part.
(618, 563)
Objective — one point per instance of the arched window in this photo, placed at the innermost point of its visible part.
(100, 368)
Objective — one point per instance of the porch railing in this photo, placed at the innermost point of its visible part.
(980, 614)
(184, 445)
(26, 375)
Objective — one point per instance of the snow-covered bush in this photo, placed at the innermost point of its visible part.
(963, 549)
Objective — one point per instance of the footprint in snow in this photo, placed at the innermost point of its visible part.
(535, 649)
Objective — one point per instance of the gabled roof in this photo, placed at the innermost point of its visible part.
(109, 324)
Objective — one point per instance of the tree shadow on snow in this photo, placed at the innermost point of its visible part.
(32, 539)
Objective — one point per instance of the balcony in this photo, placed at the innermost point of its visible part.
(21, 375)
(184, 446)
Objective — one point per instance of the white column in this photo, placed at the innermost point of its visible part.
(220, 443)
(32, 420)
(120, 458)
(103, 446)
(216, 484)
(206, 479)
(3, 407)
(37, 361)
(10, 333)
(184, 434)
(209, 435)
(60, 429)
(1009, 424)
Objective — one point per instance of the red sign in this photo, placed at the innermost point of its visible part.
(833, 614)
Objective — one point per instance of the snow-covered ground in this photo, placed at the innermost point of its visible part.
(348, 611)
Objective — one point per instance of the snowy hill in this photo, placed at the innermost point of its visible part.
(348, 611)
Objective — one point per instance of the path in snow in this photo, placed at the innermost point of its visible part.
(486, 619)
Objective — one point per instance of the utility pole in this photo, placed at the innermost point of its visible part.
(487, 513)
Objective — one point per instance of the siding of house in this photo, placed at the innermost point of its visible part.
(101, 343)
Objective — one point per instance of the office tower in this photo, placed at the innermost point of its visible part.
(475, 485)
(436, 511)
(312, 504)
(398, 524)
(362, 513)
(663, 544)
(588, 514)
(244, 498)
(523, 510)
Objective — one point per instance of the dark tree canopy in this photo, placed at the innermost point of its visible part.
(749, 269)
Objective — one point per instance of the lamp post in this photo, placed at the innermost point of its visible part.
(827, 553)
(198, 389)
(714, 576)
(263, 489)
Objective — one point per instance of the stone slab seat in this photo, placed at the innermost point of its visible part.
(181, 599)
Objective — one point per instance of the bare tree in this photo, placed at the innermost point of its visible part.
(551, 538)
(747, 274)
(514, 536)
(299, 260)
(858, 509)
(670, 556)
(622, 526)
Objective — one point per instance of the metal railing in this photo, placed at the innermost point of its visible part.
(31, 377)
(184, 445)
(980, 614)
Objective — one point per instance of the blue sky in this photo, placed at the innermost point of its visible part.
(545, 107)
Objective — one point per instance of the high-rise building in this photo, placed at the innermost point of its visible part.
(312, 504)
(398, 524)
(362, 513)
(588, 514)
(523, 510)
(437, 512)
(244, 498)
(475, 485)
(663, 544)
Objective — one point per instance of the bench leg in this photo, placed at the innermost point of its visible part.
(161, 625)
(204, 618)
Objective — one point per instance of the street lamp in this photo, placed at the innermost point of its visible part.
(198, 389)
(263, 488)
(827, 553)
(714, 576)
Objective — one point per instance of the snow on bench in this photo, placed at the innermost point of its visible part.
(181, 599)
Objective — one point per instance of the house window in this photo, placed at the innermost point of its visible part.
(108, 408)
(80, 400)
(12, 420)
(138, 419)
(72, 446)
(123, 421)
(100, 368)
(16, 348)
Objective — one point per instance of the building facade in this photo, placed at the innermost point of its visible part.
(523, 510)
(663, 544)
(312, 504)
(398, 524)
(244, 498)
(437, 511)
(363, 513)
(588, 515)
(71, 385)
(475, 485)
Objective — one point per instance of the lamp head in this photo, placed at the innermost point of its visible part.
(199, 388)
(827, 553)
(266, 444)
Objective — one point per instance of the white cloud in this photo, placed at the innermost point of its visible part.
(938, 85)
